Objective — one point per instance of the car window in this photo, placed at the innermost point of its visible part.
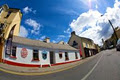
(118, 42)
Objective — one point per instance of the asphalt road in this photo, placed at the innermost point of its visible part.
(105, 66)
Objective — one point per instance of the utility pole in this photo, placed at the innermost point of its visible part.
(113, 30)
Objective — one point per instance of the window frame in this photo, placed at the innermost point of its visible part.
(66, 56)
(13, 52)
(76, 55)
(35, 52)
(1, 10)
(60, 54)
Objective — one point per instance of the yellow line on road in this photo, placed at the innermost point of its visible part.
(26, 73)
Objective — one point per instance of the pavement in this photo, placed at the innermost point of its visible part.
(57, 68)
(103, 66)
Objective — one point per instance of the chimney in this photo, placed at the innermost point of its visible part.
(73, 33)
(5, 7)
(47, 40)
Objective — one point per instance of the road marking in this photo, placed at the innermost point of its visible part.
(32, 74)
(19, 73)
(88, 74)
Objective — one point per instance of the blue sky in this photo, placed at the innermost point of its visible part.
(57, 18)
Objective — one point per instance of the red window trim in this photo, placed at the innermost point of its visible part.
(13, 57)
(35, 60)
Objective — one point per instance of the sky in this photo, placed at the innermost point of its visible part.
(56, 19)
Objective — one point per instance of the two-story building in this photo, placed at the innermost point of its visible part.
(86, 46)
(9, 25)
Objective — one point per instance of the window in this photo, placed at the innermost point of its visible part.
(76, 56)
(60, 54)
(44, 55)
(66, 56)
(9, 12)
(1, 9)
(1, 29)
(35, 55)
(74, 43)
(13, 54)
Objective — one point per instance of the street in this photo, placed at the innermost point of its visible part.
(105, 66)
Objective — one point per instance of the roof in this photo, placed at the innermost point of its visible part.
(37, 43)
(85, 38)
(79, 37)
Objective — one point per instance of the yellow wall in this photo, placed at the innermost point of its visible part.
(88, 44)
(13, 19)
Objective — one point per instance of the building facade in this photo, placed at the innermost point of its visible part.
(9, 25)
(86, 46)
(32, 53)
(112, 40)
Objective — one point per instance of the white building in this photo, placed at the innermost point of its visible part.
(33, 53)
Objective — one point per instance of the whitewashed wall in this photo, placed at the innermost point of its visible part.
(71, 56)
(28, 59)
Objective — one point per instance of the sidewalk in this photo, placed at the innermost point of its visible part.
(45, 69)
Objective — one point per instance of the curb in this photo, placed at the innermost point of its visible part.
(46, 72)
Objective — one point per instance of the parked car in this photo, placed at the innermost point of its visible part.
(110, 47)
(118, 45)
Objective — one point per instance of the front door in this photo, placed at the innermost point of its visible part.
(51, 57)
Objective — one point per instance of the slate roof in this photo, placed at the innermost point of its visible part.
(41, 44)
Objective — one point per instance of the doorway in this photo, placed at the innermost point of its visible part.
(52, 55)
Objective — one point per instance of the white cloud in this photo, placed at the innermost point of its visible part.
(28, 9)
(67, 31)
(33, 23)
(54, 41)
(23, 31)
(91, 25)
(43, 37)
(96, 6)
(61, 36)
(66, 11)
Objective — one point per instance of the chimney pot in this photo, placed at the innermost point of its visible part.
(47, 40)
(73, 33)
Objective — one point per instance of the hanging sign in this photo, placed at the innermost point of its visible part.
(24, 53)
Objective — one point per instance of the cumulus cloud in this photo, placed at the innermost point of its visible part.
(23, 32)
(61, 36)
(43, 37)
(34, 24)
(28, 9)
(54, 41)
(67, 31)
(91, 25)
(66, 11)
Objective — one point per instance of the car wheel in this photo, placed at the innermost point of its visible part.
(116, 49)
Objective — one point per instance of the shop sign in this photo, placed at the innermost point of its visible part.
(44, 54)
